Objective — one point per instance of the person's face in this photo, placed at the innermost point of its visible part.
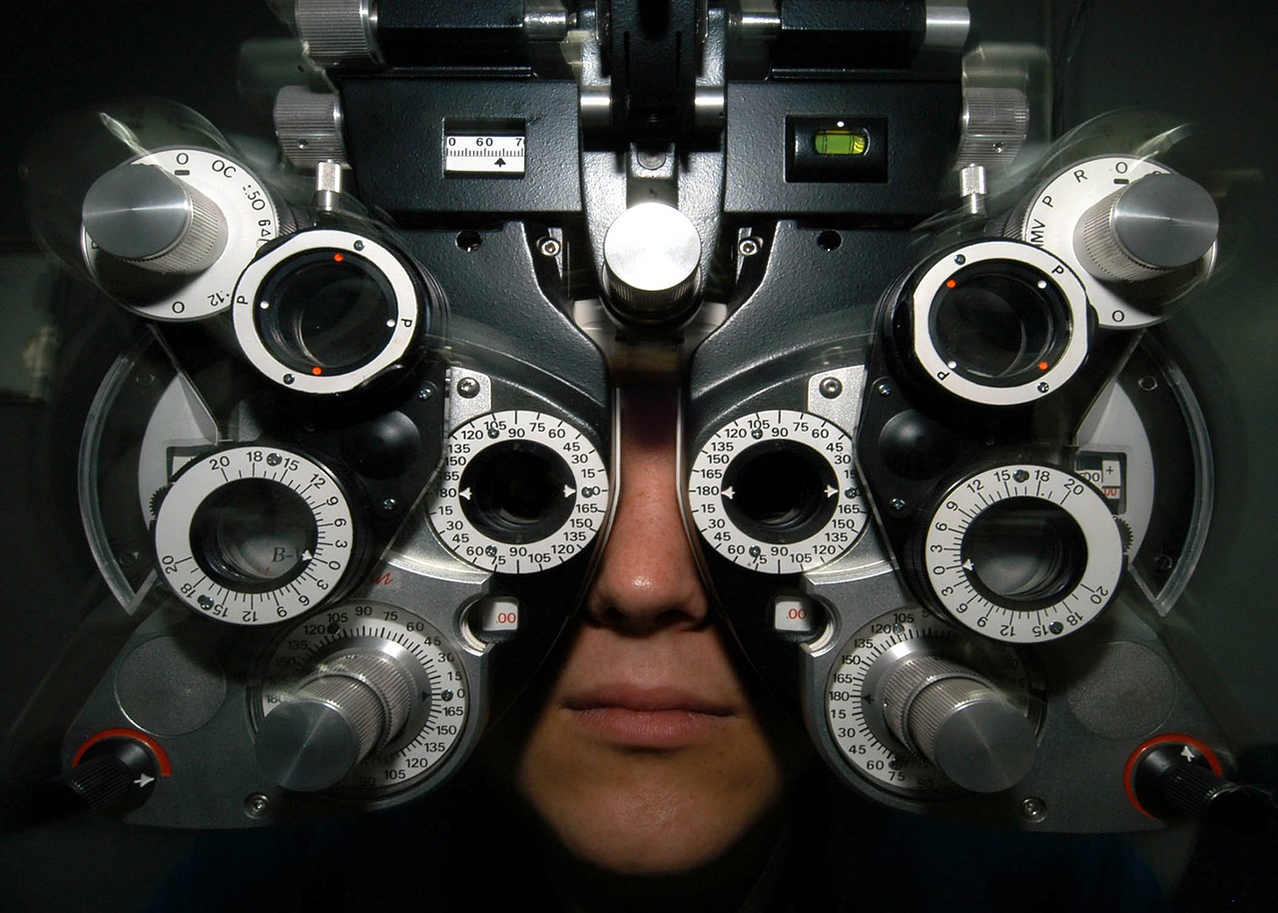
(649, 756)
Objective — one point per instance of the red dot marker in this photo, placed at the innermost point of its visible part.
(338, 257)
(950, 283)
(1042, 366)
(317, 370)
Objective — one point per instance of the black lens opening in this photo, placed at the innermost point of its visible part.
(517, 491)
(1024, 553)
(253, 535)
(779, 491)
(325, 312)
(1000, 323)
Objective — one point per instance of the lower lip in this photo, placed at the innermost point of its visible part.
(649, 728)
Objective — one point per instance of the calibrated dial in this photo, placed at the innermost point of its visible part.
(521, 492)
(254, 534)
(1114, 227)
(858, 715)
(435, 713)
(219, 189)
(776, 492)
(1022, 553)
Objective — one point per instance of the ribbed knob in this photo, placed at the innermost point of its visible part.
(337, 32)
(309, 126)
(652, 262)
(960, 722)
(147, 217)
(354, 704)
(1155, 224)
(995, 124)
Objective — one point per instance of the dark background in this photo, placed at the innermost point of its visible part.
(1212, 63)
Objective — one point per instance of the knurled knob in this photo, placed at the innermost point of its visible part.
(995, 124)
(960, 722)
(352, 705)
(652, 262)
(145, 216)
(1156, 224)
(337, 32)
(309, 126)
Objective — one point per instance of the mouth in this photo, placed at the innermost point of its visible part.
(657, 718)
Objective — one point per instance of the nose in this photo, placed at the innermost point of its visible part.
(648, 578)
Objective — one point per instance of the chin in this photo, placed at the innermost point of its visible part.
(648, 824)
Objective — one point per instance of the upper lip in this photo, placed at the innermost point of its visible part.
(631, 697)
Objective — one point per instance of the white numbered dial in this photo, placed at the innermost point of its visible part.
(254, 535)
(521, 492)
(777, 492)
(1057, 212)
(853, 703)
(251, 220)
(440, 705)
(1023, 553)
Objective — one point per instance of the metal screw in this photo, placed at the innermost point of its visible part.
(257, 805)
(426, 392)
(359, 245)
(206, 602)
(1034, 809)
(884, 388)
(274, 459)
(289, 378)
(897, 504)
(1148, 383)
(549, 247)
(831, 387)
(1056, 627)
(960, 259)
(1020, 475)
(468, 387)
(389, 505)
(749, 246)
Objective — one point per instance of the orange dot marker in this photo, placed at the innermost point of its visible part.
(950, 283)
(338, 257)
(1042, 366)
(317, 370)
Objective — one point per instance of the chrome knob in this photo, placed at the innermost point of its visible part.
(145, 216)
(354, 704)
(652, 262)
(1158, 223)
(960, 722)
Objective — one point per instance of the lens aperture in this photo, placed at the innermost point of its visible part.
(1000, 323)
(517, 491)
(1025, 552)
(325, 312)
(253, 535)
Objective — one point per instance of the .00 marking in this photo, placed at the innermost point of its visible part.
(317, 570)
(707, 495)
(440, 711)
(849, 709)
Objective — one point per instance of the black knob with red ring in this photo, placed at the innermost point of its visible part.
(1176, 776)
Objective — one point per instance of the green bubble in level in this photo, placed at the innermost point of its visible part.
(840, 142)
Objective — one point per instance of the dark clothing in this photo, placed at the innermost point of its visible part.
(466, 849)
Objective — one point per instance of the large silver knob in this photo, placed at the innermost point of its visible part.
(352, 705)
(145, 216)
(652, 262)
(960, 722)
(1156, 224)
